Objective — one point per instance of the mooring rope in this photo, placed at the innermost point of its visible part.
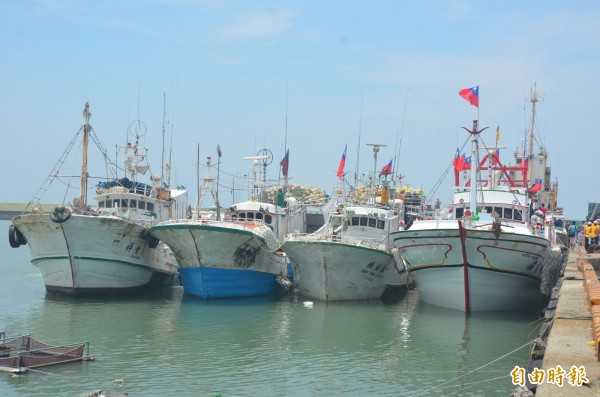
(427, 391)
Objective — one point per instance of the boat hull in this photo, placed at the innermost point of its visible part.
(222, 260)
(94, 254)
(480, 272)
(335, 271)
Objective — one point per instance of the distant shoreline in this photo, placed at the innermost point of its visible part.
(10, 210)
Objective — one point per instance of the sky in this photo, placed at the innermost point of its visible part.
(311, 76)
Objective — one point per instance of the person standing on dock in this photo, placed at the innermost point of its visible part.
(572, 233)
(595, 231)
(588, 233)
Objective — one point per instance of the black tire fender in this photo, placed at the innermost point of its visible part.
(12, 236)
(60, 214)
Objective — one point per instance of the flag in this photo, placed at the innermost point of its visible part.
(471, 95)
(340, 173)
(497, 134)
(466, 163)
(387, 169)
(537, 186)
(285, 163)
(458, 160)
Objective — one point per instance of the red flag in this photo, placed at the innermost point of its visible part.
(340, 173)
(387, 169)
(466, 163)
(537, 186)
(285, 163)
(471, 95)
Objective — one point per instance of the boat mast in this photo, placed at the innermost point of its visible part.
(534, 100)
(358, 146)
(376, 147)
(474, 164)
(84, 148)
(162, 166)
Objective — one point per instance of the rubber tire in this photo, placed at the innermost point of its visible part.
(12, 236)
(55, 218)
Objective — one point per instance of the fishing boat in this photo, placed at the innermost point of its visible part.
(235, 254)
(351, 256)
(106, 248)
(21, 353)
(485, 255)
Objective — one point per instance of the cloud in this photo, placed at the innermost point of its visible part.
(258, 25)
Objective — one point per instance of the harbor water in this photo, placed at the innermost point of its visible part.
(169, 344)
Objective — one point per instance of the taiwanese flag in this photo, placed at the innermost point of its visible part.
(496, 157)
(458, 160)
(471, 95)
(285, 163)
(387, 169)
(537, 186)
(465, 163)
(340, 172)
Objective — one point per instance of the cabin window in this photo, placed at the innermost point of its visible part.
(363, 221)
(101, 204)
(380, 224)
(150, 206)
(498, 211)
(508, 213)
(259, 215)
(133, 203)
(372, 222)
(355, 221)
(142, 205)
(518, 215)
(242, 215)
(250, 215)
(234, 218)
(268, 219)
(488, 210)
(459, 213)
(124, 203)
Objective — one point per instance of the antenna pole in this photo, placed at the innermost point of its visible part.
(84, 173)
(534, 100)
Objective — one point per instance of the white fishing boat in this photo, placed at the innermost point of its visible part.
(351, 257)
(485, 255)
(106, 248)
(237, 253)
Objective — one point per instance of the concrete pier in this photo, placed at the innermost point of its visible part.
(571, 339)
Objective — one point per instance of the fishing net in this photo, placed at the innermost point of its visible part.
(25, 351)
(266, 238)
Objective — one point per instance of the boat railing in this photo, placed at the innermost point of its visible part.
(358, 241)
(207, 221)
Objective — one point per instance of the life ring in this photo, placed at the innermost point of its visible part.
(13, 239)
(60, 214)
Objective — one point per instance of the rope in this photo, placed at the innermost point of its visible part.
(427, 391)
